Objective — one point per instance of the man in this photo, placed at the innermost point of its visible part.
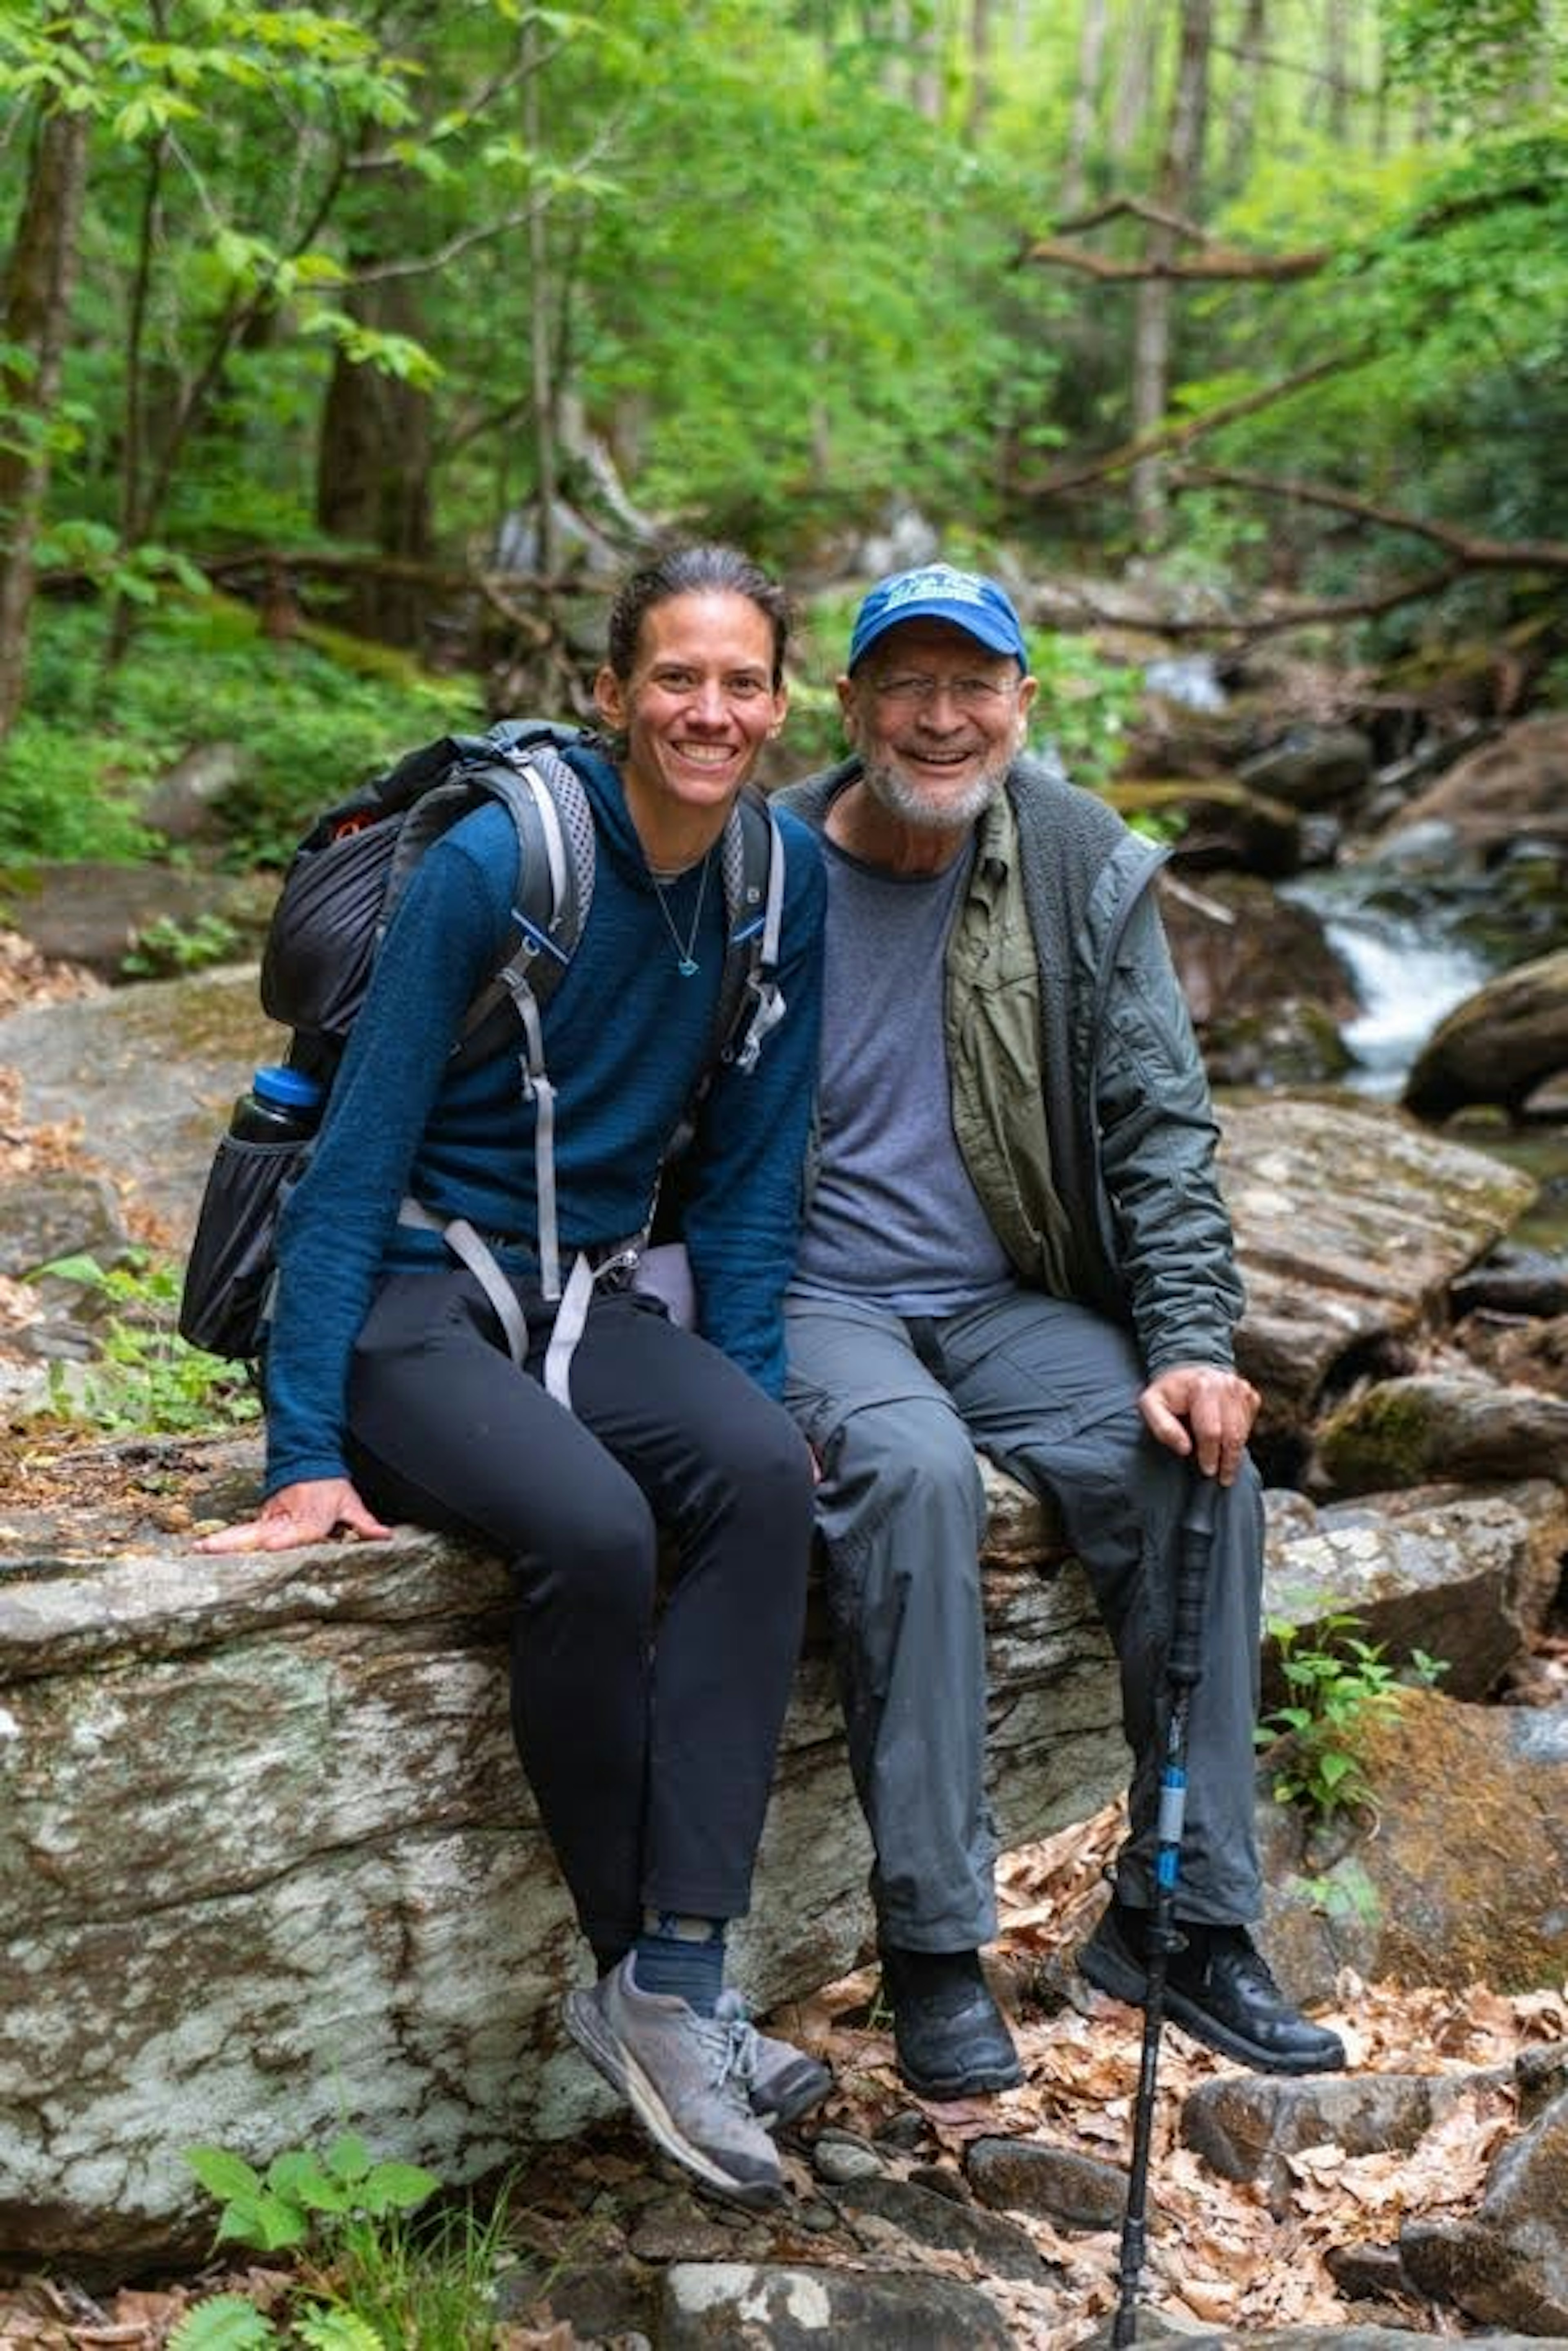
(1016, 1241)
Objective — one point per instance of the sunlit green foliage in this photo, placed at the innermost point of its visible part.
(74, 774)
(762, 265)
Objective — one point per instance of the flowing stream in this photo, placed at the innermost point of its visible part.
(1409, 971)
(1406, 973)
(1397, 922)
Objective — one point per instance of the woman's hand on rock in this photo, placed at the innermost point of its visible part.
(307, 1513)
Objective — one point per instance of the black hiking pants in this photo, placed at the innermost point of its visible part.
(648, 1734)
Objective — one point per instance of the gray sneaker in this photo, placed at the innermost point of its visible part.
(784, 2081)
(687, 2079)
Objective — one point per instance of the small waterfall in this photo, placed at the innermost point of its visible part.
(1406, 973)
(1392, 918)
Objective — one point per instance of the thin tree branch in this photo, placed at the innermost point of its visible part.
(1217, 262)
(1132, 208)
(491, 420)
(1080, 610)
(1297, 65)
(1193, 428)
(1472, 552)
(538, 203)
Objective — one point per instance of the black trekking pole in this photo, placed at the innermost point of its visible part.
(1184, 1667)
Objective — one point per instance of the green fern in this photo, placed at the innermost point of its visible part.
(226, 2321)
(337, 2330)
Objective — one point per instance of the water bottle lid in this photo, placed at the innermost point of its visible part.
(295, 1088)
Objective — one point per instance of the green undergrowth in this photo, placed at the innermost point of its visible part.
(1338, 1685)
(375, 2258)
(147, 1381)
(90, 744)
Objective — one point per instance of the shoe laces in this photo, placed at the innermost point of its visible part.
(730, 2038)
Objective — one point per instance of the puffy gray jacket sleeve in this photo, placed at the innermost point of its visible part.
(1171, 1237)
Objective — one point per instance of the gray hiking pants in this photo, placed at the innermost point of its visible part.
(894, 1408)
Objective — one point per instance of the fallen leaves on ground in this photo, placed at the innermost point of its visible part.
(28, 977)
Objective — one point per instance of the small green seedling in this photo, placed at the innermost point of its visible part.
(1338, 1685)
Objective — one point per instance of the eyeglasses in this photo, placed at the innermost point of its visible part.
(975, 694)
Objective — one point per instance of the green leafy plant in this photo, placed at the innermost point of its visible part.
(1338, 1683)
(374, 2274)
(1086, 706)
(1424, 1670)
(148, 1380)
(227, 2322)
(301, 2190)
(166, 948)
(87, 751)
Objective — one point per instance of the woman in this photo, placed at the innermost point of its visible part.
(392, 1395)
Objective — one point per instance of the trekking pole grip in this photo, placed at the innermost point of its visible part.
(1185, 1664)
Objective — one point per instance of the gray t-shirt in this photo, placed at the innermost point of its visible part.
(894, 1217)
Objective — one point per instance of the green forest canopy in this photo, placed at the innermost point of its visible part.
(351, 305)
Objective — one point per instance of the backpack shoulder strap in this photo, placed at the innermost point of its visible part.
(750, 1003)
(554, 826)
(554, 823)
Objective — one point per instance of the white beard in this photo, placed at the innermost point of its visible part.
(911, 805)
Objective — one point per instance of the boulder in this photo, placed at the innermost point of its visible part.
(1224, 827)
(1535, 1355)
(1469, 1576)
(96, 914)
(1513, 785)
(1439, 1424)
(1266, 991)
(1453, 1874)
(1506, 2264)
(269, 1865)
(1311, 767)
(1498, 1046)
(185, 803)
(1351, 1221)
(147, 1076)
(1246, 2126)
(797, 2307)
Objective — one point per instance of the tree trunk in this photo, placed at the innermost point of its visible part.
(1338, 74)
(35, 309)
(981, 37)
(1242, 113)
(1180, 172)
(1086, 98)
(925, 71)
(372, 470)
(1136, 66)
(546, 468)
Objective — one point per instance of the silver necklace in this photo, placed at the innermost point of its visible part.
(685, 962)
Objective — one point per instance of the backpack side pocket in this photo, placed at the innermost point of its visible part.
(223, 1306)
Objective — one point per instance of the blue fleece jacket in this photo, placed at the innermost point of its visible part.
(625, 1038)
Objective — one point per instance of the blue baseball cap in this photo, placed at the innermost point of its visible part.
(936, 592)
